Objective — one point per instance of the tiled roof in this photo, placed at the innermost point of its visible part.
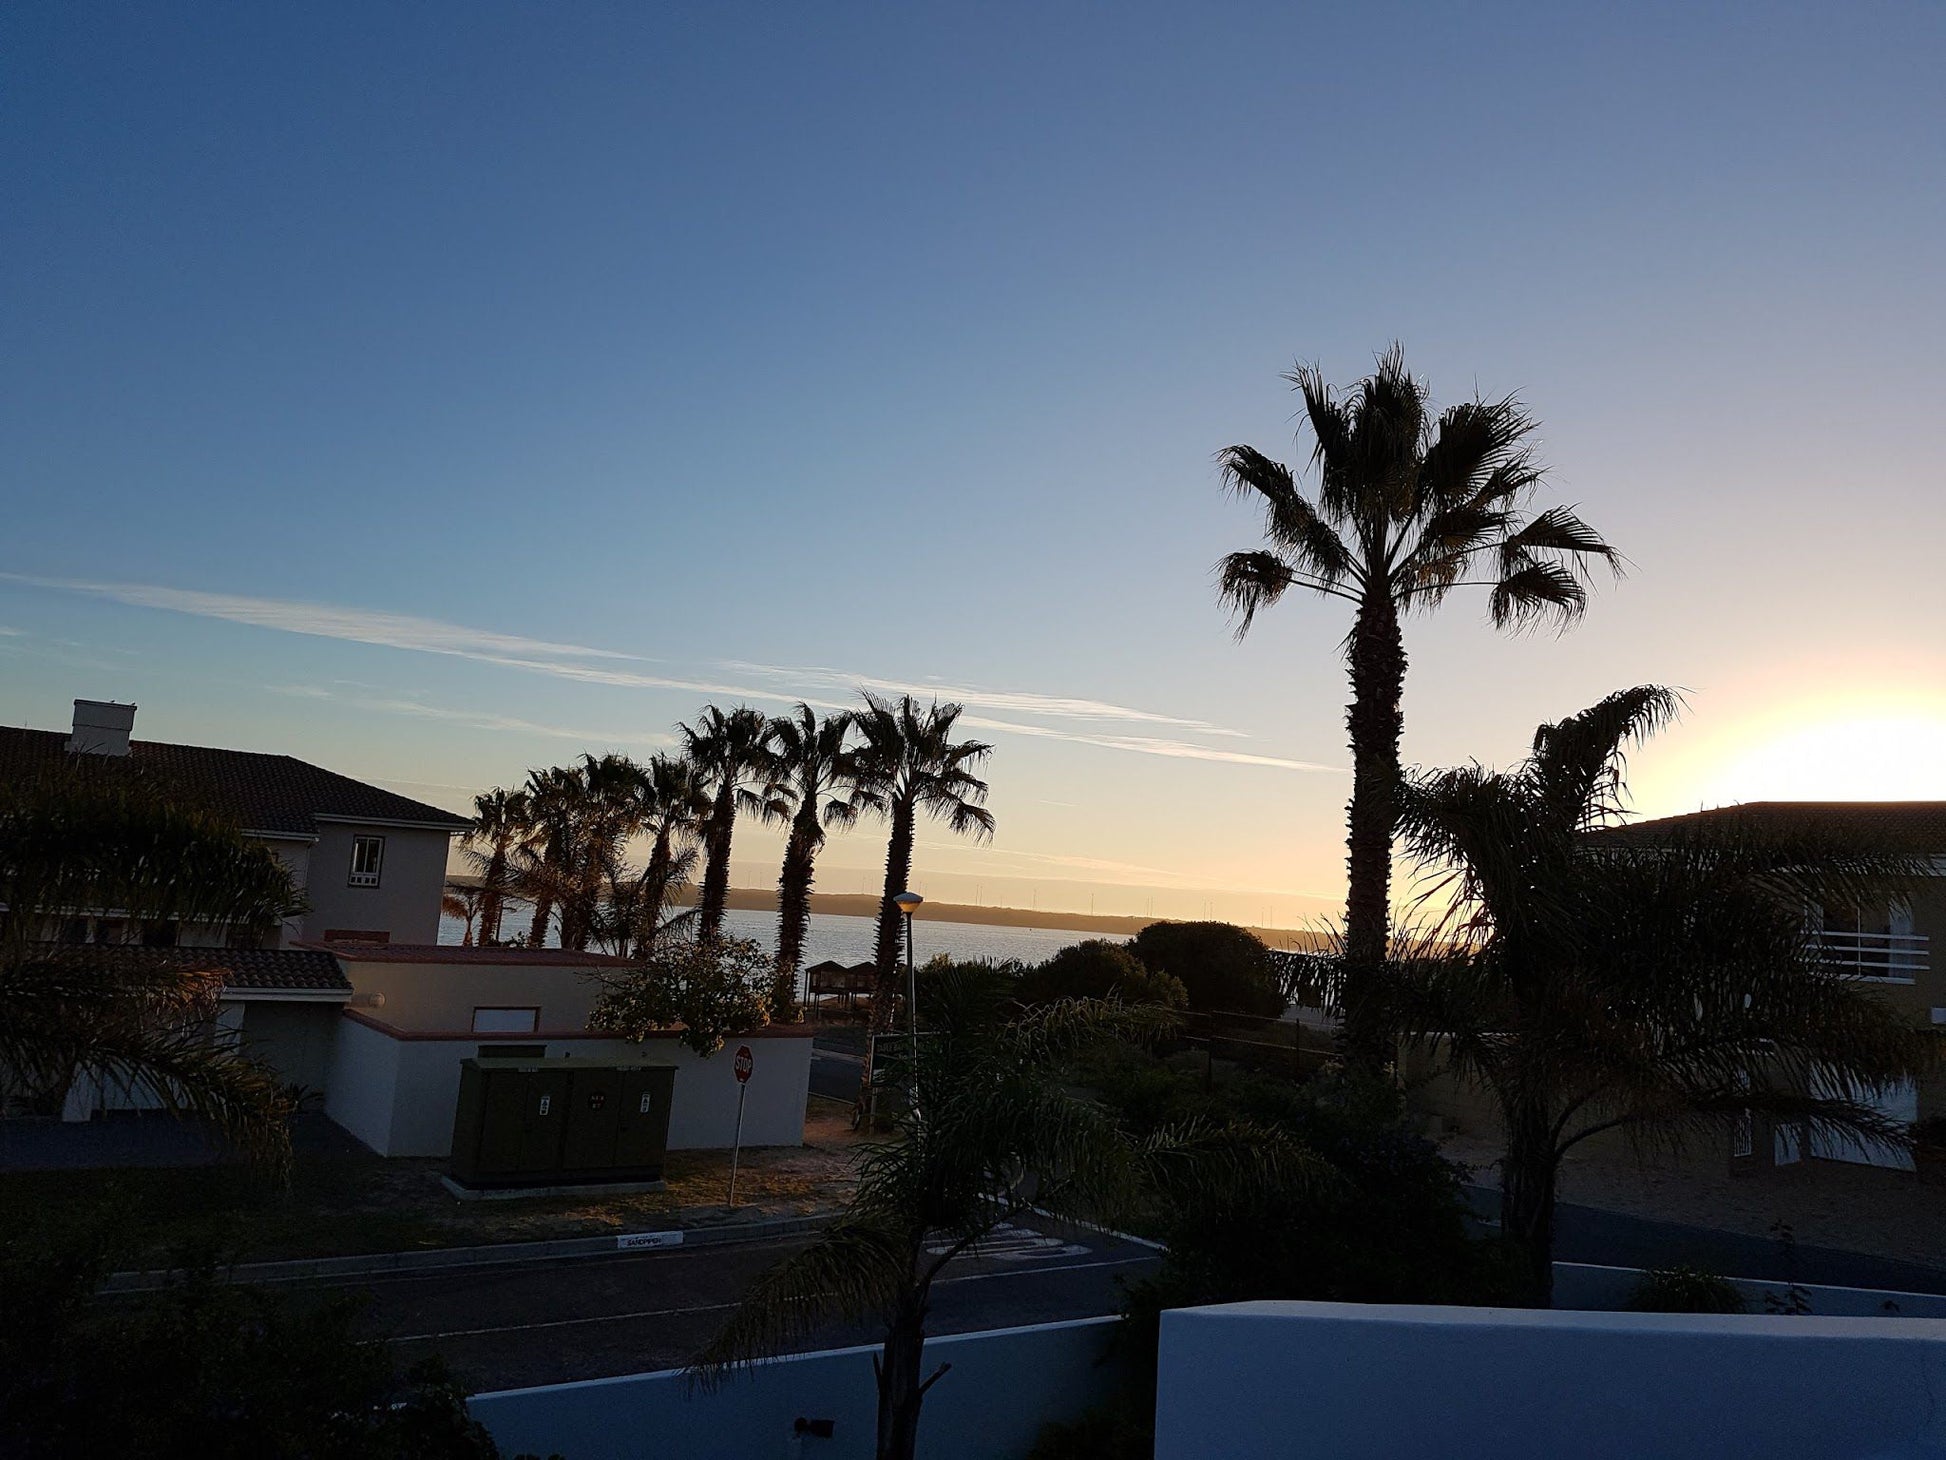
(354, 952)
(1911, 827)
(285, 970)
(265, 793)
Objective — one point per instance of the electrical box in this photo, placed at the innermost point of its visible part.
(560, 1122)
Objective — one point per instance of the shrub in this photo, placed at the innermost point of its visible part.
(1224, 968)
(711, 989)
(1684, 1290)
(1098, 969)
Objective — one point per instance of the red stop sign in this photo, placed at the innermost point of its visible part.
(743, 1064)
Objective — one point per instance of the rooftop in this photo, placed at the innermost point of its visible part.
(1893, 826)
(352, 951)
(281, 970)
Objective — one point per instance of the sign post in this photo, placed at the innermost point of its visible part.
(742, 1063)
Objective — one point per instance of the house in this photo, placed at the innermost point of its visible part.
(371, 863)
(357, 1002)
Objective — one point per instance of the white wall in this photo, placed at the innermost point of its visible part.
(417, 1084)
(437, 998)
(1004, 1385)
(1590, 1287)
(1374, 1382)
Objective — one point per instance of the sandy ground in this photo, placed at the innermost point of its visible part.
(1895, 1214)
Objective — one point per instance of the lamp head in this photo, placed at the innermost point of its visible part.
(907, 901)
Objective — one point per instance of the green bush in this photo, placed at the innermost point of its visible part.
(1224, 968)
(1682, 1289)
(1098, 969)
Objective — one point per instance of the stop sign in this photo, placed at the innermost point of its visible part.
(743, 1063)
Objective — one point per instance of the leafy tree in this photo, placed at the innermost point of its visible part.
(1098, 969)
(1408, 508)
(1650, 981)
(710, 988)
(989, 1131)
(909, 765)
(731, 757)
(106, 837)
(812, 775)
(1224, 968)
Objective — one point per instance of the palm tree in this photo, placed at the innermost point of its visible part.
(1408, 508)
(462, 903)
(1631, 979)
(106, 838)
(498, 816)
(674, 805)
(1001, 1134)
(730, 755)
(908, 764)
(551, 800)
(812, 775)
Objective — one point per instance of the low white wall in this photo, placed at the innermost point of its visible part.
(1585, 1286)
(1003, 1386)
(363, 1082)
(1349, 1381)
(405, 1107)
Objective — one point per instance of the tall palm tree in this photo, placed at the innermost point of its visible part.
(812, 777)
(498, 816)
(1638, 979)
(730, 754)
(1001, 1133)
(552, 798)
(908, 765)
(104, 838)
(674, 806)
(1409, 506)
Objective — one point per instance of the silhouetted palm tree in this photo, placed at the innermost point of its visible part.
(730, 756)
(552, 798)
(498, 816)
(1639, 979)
(812, 776)
(908, 765)
(675, 805)
(1408, 508)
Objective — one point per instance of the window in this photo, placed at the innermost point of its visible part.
(367, 853)
(506, 1021)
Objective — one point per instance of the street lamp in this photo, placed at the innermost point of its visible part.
(907, 901)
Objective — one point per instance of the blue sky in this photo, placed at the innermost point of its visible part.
(771, 348)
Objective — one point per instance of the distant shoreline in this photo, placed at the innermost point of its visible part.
(865, 905)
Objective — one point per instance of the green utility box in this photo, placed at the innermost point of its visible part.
(560, 1122)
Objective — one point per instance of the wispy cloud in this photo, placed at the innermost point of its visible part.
(587, 665)
(475, 720)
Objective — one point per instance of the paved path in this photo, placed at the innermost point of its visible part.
(593, 1317)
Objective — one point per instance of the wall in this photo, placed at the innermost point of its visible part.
(1590, 1287)
(441, 997)
(1350, 1381)
(418, 1085)
(294, 1037)
(1003, 1386)
(364, 1082)
(412, 879)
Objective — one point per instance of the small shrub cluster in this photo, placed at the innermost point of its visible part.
(1683, 1289)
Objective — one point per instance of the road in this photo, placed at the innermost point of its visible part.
(588, 1318)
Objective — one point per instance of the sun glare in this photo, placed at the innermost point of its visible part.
(1881, 758)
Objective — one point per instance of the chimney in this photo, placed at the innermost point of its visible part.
(101, 727)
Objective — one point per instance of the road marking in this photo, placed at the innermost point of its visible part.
(1009, 1243)
(973, 1277)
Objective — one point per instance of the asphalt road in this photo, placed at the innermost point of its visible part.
(589, 1318)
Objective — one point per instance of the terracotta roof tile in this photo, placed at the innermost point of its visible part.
(293, 970)
(1911, 827)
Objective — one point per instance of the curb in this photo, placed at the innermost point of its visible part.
(498, 1254)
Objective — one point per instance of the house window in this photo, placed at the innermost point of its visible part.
(367, 853)
(506, 1021)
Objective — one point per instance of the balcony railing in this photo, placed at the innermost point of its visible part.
(1881, 957)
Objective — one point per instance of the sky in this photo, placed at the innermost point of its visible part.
(437, 391)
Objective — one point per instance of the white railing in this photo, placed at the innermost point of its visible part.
(1882, 957)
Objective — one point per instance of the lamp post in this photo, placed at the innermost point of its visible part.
(907, 901)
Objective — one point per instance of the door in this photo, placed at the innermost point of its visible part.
(644, 1135)
(543, 1118)
(594, 1096)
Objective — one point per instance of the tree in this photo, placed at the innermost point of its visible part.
(100, 838)
(730, 754)
(551, 799)
(1408, 508)
(1595, 980)
(989, 1131)
(674, 805)
(1224, 969)
(710, 988)
(909, 765)
(811, 778)
(462, 903)
(1098, 969)
(498, 818)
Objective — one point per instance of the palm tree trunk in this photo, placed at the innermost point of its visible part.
(794, 899)
(885, 985)
(901, 1391)
(716, 873)
(655, 894)
(543, 914)
(490, 895)
(1376, 721)
(1527, 1184)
